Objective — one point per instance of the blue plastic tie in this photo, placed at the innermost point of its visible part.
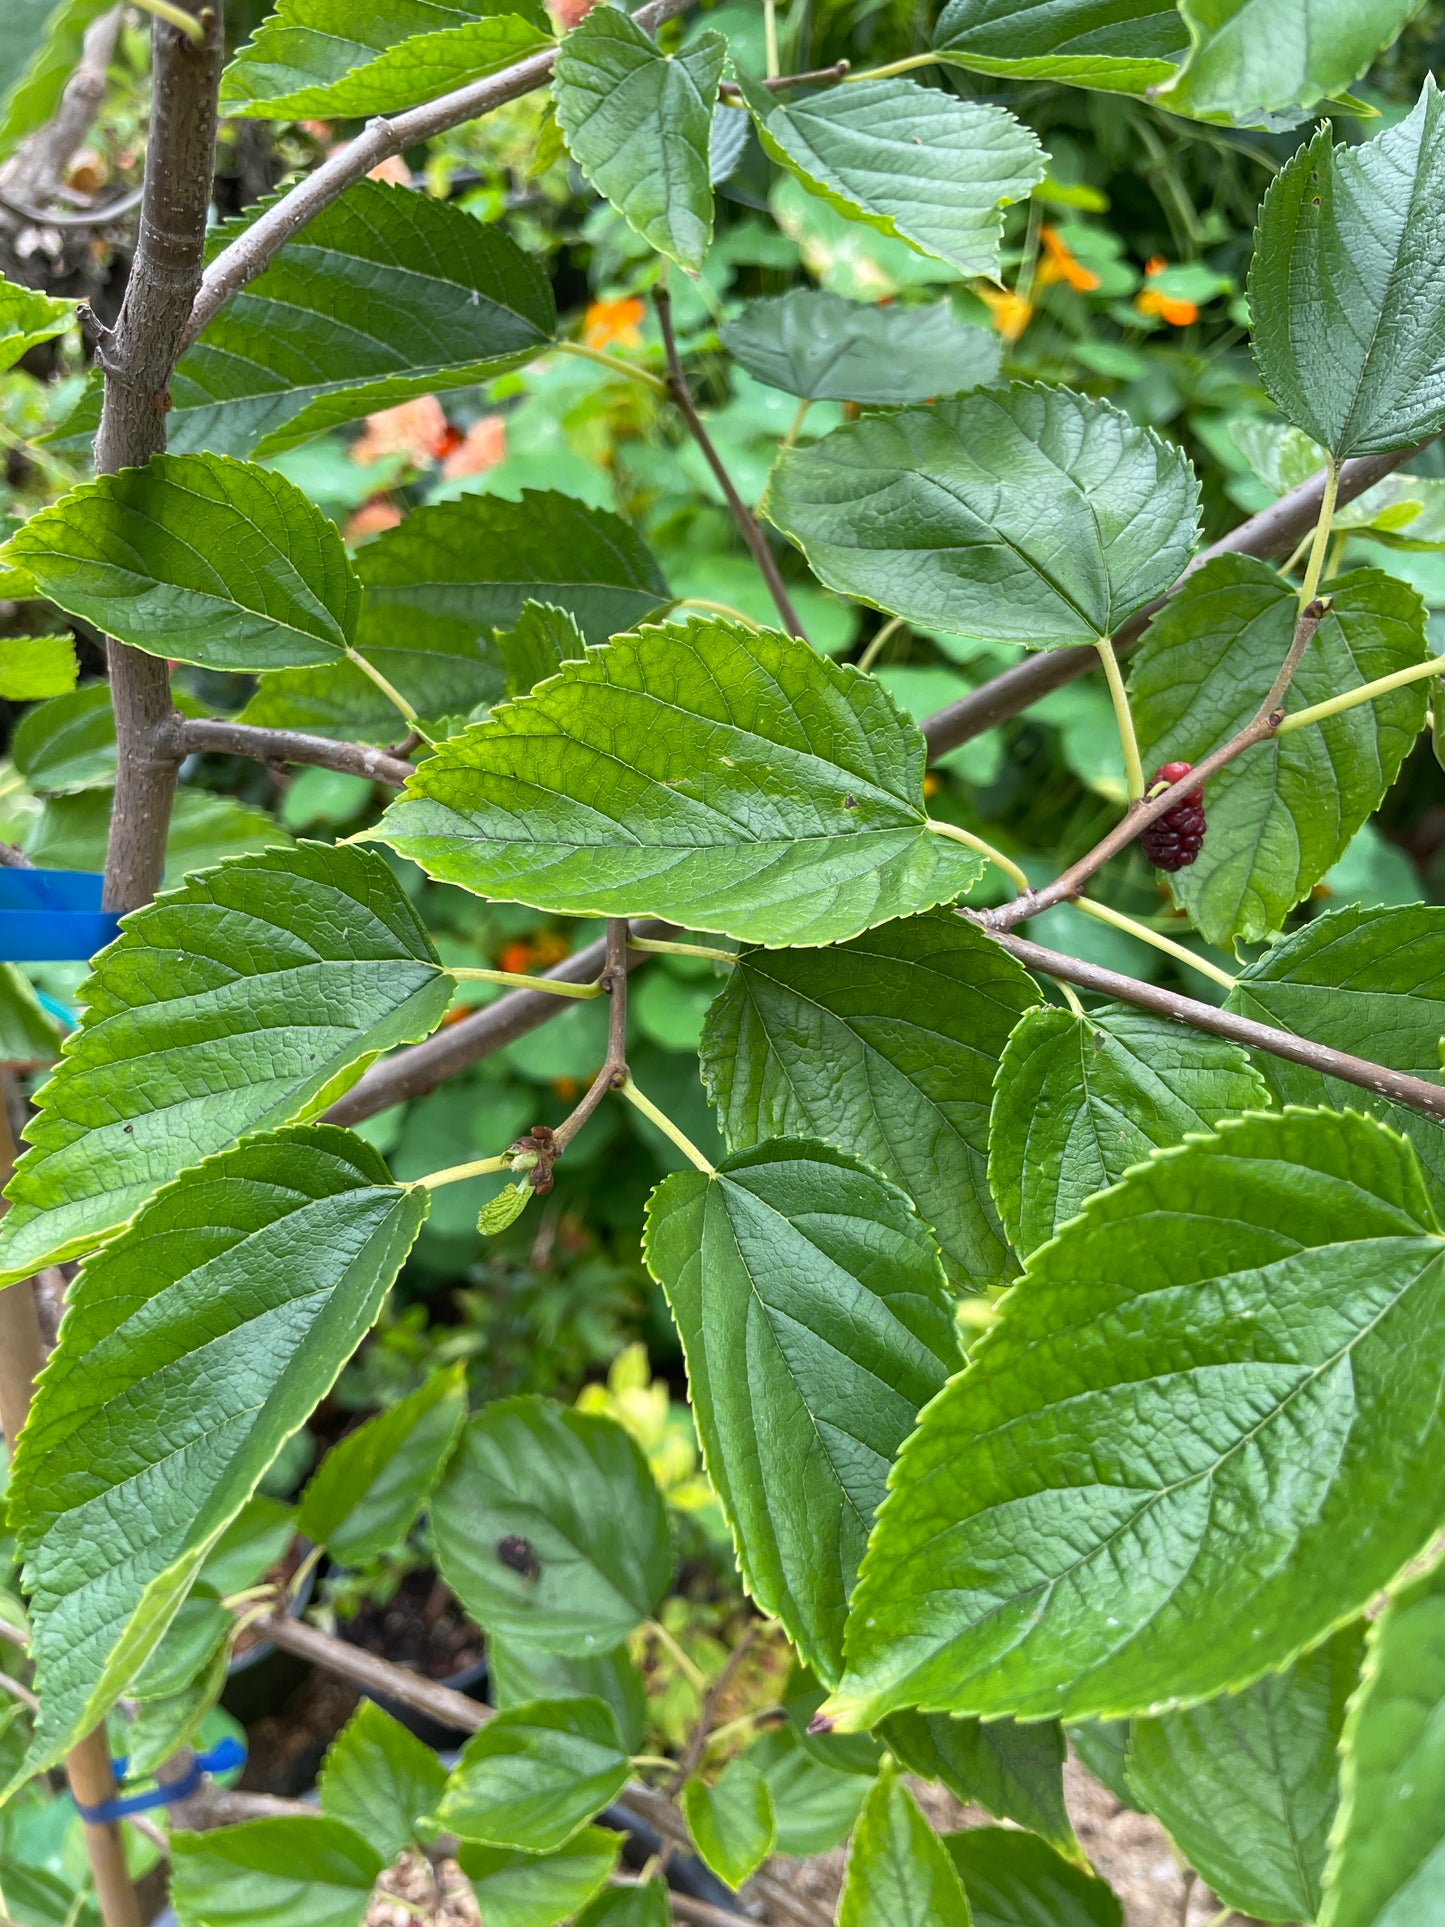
(225, 1754)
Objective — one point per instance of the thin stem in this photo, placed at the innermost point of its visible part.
(685, 1663)
(661, 947)
(665, 1761)
(455, 1173)
(877, 644)
(972, 842)
(1070, 997)
(747, 523)
(1366, 693)
(1156, 940)
(665, 1124)
(392, 694)
(1124, 716)
(718, 609)
(898, 67)
(1320, 546)
(795, 426)
(770, 39)
(614, 364)
(780, 83)
(692, 1753)
(519, 980)
(613, 1073)
(175, 17)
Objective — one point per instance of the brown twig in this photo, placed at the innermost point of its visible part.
(1259, 729)
(614, 1065)
(214, 735)
(1395, 1085)
(697, 1740)
(748, 525)
(780, 83)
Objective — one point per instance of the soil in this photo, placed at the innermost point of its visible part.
(284, 1749)
(420, 1626)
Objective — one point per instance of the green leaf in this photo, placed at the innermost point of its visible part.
(40, 47)
(732, 1823)
(644, 1906)
(530, 1778)
(1014, 1880)
(194, 1346)
(638, 123)
(34, 667)
(68, 743)
(538, 1890)
(1402, 510)
(1366, 981)
(814, 1805)
(899, 1873)
(517, 1674)
(27, 1030)
(815, 1322)
(1347, 285)
(161, 1726)
(319, 57)
(26, 319)
(1253, 62)
(366, 1493)
(252, 996)
(1225, 1370)
(725, 779)
(205, 829)
(1080, 1099)
(550, 1528)
(251, 1544)
(1285, 811)
(541, 640)
(821, 347)
(1247, 1785)
(380, 1779)
(42, 1899)
(199, 558)
(431, 298)
(291, 1872)
(910, 161)
(1020, 514)
(886, 1047)
(201, 1626)
(1123, 46)
(1014, 1772)
(504, 1209)
(1386, 1866)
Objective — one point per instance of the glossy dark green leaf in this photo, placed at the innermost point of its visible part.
(380, 1779)
(332, 57)
(1021, 514)
(1347, 285)
(1259, 62)
(550, 1528)
(539, 1889)
(1014, 1880)
(724, 778)
(732, 1822)
(291, 1872)
(822, 347)
(910, 161)
(815, 1322)
(366, 1493)
(518, 1673)
(253, 995)
(194, 1346)
(199, 558)
(1124, 46)
(1247, 1785)
(27, 318)
(1284, 812)
(1014, 1772)
(887, 1047)
(1224, 1371)
(899, 1873)
(532, 1777)
(1080, 1099)
(638, 123)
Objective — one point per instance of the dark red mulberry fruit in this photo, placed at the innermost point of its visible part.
(1172, 841)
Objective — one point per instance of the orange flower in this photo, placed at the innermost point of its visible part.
(1168, 307)
(1010, 311)
(609, 321)
(516, 958)
(1059, 263)
(371, 518)
(319, 130)
(394, 169)
(417, 429)
(566, 13)
(549, 947)
(482, 447)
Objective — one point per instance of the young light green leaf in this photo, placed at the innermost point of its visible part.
(815, 1322)
(380, 1779)
(517, 1674)
(1022, 514)
(197, 557)
(1014, 1772)
(504, 1209)
(252, 996)
(1080, 1099)
(367, 1491)
(726, 779)
(1014, 1880)
(638, 123)
(538, 1889)
(536, 646)
(732, 1822)
(34, 667)
(886, 1047)
(1281, 814)
(317, 57)
(1347, 285)
(550, 1528)
(1367, 981)
(1247, 1785)
(194, 1346)
(1246, 1328)
(1260, 62)
(26, 319)
(1123, 46)
(821, 347)
(294, 1872)
(68, 743)
(899, 1873)
(910, 161)
(1403, 510)
(1387, 1855)
(532, 1777)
